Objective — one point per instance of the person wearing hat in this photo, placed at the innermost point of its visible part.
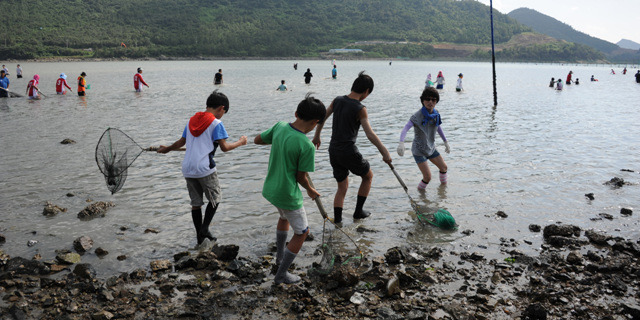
(61, 83)
(4, 84)
(82, 84)
(440, 80)
(459, 84)
(137, 80)
(32, 87)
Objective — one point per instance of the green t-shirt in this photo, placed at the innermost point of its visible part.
(291, 151)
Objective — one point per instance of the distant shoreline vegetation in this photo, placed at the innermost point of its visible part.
(547, 52)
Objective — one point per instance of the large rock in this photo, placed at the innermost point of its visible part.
(560, 241)
(160, 265)
(597, 237)
(563, 230)
(94, 210)
(21, 265)
(67, 257)
(83, 244)
(226, 252)
(84, 271)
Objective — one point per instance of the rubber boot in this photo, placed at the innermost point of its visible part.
(283, 275)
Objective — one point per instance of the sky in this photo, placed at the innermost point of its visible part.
(611, 20)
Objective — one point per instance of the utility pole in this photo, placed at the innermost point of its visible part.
(493, 58)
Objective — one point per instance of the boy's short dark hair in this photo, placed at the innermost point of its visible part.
(311, 109)
(430, 92)
(217, 99)
(362, 83)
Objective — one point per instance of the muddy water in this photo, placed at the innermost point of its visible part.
(534, 156)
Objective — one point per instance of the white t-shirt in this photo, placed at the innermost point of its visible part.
(198, 158)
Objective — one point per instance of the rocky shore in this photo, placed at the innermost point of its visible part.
(578, 274)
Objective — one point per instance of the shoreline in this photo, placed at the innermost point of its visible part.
(578, 273)
(341, 58)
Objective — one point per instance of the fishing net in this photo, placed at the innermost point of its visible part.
(441, 219)
(336, 250)
(115, 153)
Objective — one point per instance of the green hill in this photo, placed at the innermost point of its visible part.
(547, 25)
(243, 28)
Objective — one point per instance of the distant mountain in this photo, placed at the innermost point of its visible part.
(547, 25)
(628, 44)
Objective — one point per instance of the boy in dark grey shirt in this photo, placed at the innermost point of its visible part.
(350, 114)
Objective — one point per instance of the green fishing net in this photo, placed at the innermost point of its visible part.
(441, 219)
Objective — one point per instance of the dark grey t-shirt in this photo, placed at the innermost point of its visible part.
(424, 138)
(345, 125)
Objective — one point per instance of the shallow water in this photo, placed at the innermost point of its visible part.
(534, 156)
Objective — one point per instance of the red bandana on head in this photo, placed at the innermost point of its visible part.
(200, 122)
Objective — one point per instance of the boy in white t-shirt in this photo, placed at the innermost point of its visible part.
(202, 136)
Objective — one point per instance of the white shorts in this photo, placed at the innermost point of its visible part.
(297, 219)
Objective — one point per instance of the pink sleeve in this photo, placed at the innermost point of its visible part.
(406, 128)
(441, 133)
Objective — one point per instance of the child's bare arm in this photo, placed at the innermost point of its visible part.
(364, 121)
(301, 178)
(225, 147)
(316, 136)
(175, 146)
(258, 140)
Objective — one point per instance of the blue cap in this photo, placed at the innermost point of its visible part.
(63, 76)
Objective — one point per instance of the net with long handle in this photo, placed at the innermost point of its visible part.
(330, 245)
(441, 219)
(115, 153)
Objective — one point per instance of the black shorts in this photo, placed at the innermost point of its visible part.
(343, 163)
(80, 93)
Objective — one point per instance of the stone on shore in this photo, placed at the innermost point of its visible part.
(563, 230)
(225, 252)
(94, 210)
(67, 257)
(160, 265)
(51, 209)
(84, 271)
(83, 244)
(21, 265)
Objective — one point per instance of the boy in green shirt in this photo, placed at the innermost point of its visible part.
(292, 156)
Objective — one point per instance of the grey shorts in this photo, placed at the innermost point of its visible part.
(208, 185)
(297, 219)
